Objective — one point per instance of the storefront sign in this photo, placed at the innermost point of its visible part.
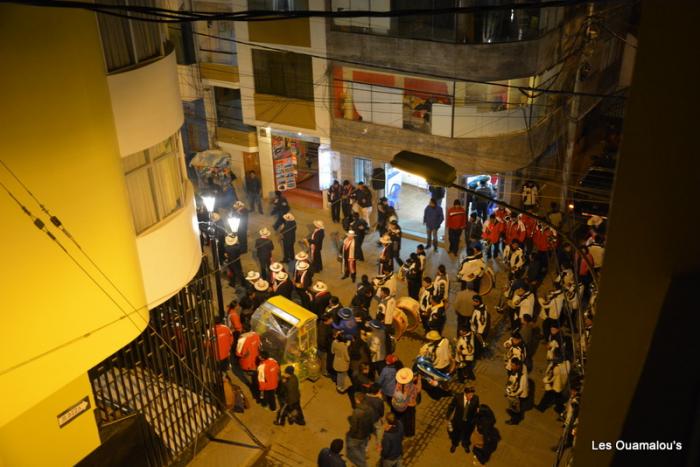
(73, 412)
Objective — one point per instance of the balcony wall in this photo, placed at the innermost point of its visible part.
(218, 72)
(146, 104)
(165, 272)
(502, 153)
(474, 61)
(246, 139)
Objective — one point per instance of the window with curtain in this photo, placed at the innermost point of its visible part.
(154, 183)
(128, 42)
(283, 74)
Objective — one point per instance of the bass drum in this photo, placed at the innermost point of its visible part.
(400, 324)
(411, 308)
(488, 281)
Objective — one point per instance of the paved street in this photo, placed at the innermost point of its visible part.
(527, 444)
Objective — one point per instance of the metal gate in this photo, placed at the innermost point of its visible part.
(151, 376)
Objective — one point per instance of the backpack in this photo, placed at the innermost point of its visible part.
(399, 401)
(240, 402)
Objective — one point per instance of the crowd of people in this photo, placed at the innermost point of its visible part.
(356, 341)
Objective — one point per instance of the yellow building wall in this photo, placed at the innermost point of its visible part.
(35, 438)
(57, 134)
(285, 111)
(294, 32)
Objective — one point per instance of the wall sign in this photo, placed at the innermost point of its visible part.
(73, 412)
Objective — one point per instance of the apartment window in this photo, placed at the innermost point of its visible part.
(229, 113)
(127, 43)
(154, 183)
(283, 74)
(278, 5)
(363, 170)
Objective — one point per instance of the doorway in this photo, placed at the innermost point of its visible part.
(296, 167)
(409, 195)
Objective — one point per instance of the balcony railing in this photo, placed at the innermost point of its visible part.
(462, 28)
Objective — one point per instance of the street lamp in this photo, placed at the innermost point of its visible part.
(233, 223)
(209, 203)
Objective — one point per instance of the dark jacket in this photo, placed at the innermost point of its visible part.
(280, 206)
(263, 249)
(361, 424)
(456, 410)
(291, 390)
(391, 442)
(377, 406)
(433, 216)
(327, 458)
(289, 232)
(252, 185)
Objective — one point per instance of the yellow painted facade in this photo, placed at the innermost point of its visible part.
(58, 136)
(36, 439)
(285, 111)
(219, 72)
(295, 32)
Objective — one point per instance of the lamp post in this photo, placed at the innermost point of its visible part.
(209, 202)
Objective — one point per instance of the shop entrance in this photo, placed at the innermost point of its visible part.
(296, 165)
(410, 195)
(494, 183)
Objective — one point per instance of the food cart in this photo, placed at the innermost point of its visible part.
(216, 164)
(288, 333)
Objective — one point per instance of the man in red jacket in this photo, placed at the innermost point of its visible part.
(268, 379)
(224, 340)
(456, 223)
(492, 234)
(247, 351)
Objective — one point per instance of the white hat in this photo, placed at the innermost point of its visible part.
(215, 216)
(281, 276)
(301, 256)
(238, 205)
(404, 375)
(264, 232)
(319, 287)
(351, 232)
(231, 240)
(288, 217)
(318, 224)
(252, 276)
(301, 266)
(276, 267)
(385, 239)
(261, 285)
(595, 220)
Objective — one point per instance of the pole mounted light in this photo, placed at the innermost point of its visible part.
(233, 223)
(209, 202)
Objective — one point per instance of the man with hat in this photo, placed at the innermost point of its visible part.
(232, 251)
(316, 245)
(263, 250)
(262, 289)
(386, 258)
(360, 227)
(283, 286)
(289, 235)
(242, 213)
(280, 207)
(251, 278)
(302, 279)
(322, 298)
(349, 261)
(437, 349)
(346, 323)
(291, 397)
(274, 269)
(461, 415)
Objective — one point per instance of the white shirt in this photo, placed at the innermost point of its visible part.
(389, 310)
(525, 304)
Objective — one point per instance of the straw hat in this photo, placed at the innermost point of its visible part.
(281, 276)
(231, 240)
(238, 205)
(264, 232)
(351, 232)
(252, 276)
(433, 335)
(595, 221)
(288, 217)
(276, 267)
(319, 287)
(301, 256)
(404, 375)
(318, 224)
(385, 239)
(261, 285)
(301, 266)
(215, 216)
